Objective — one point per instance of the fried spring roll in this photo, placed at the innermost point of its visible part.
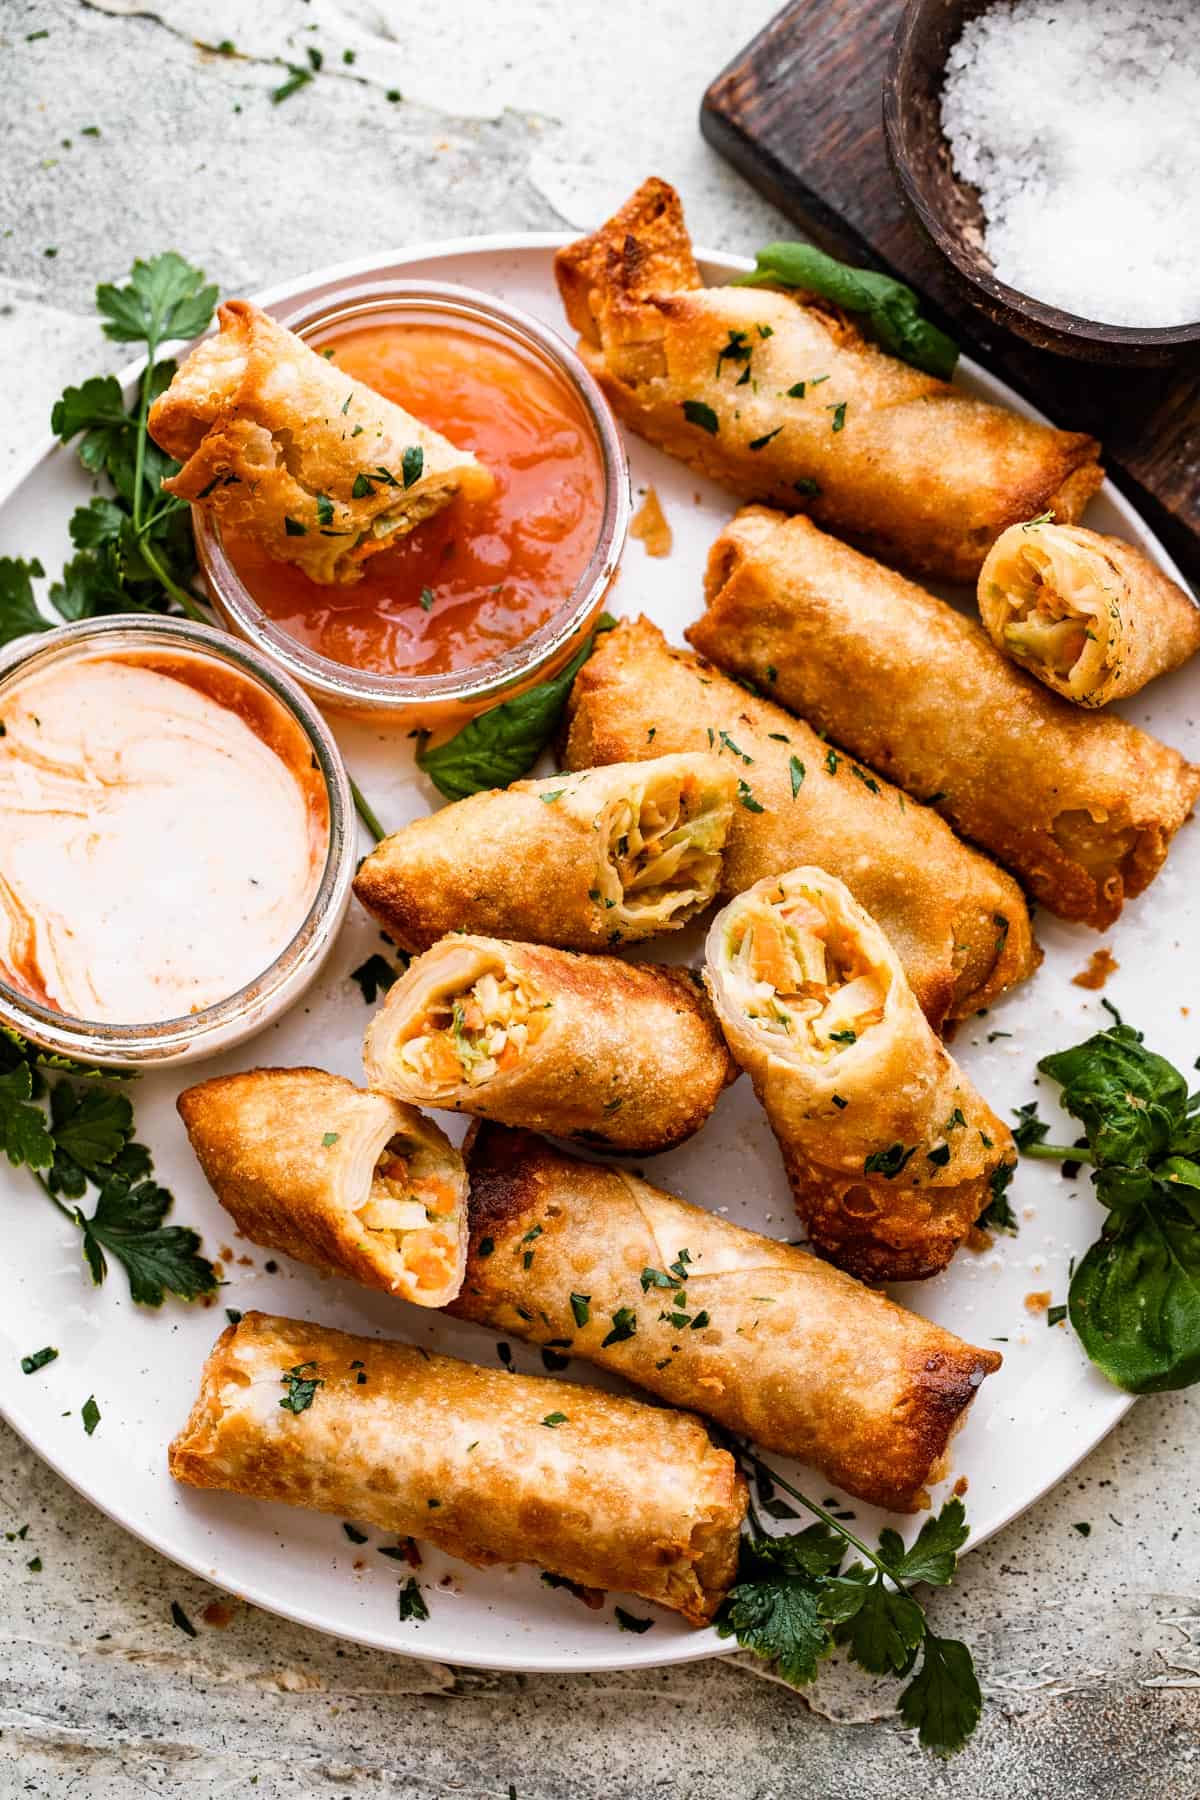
(959, 924)
(767, 1340)
(586, 861)
(1082, 808)
(782, 399)
(890, 1152)
(282, 447)
(353, 1183)
(1090, 616)
(490, 1467)
(626, 1055)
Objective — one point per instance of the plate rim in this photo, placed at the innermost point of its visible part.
(704, 1643)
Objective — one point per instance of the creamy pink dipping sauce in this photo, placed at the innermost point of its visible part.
(163, 831)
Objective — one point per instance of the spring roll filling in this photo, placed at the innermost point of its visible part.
(411, 1210)
(1058, 607)
(468, 1033)
(801, 975)
(662, 850)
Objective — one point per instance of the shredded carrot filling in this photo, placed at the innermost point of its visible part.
(472, 1036)
(413, 1209)
(803, 976)
(1056, 609)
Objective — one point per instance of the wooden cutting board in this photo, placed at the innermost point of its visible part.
(798, 112)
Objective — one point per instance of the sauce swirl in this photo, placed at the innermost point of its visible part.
(163, 832)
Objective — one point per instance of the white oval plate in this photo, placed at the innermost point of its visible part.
(1033, 1420)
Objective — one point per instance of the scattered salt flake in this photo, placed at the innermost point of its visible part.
(1076, 122)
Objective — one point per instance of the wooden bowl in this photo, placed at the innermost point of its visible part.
(950, 210)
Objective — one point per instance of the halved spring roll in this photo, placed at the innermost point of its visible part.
(959, 923)
(890, 1151)
(489, 1466)
(1090, 616)
(281, 446)
(767, 1340)
(352, 1182)
(625, 1055)
(780, 398)
(586, 861)
(1082, 808)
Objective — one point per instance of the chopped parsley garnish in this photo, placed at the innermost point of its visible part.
(728, 744)
(329, 1140)
(656, 1278)
(374, 977)
(624, 1325)
(324, 510)
(839, 415)
(807, 486)
(939, 1156)
(90, 1414)
(554, 1419)
(832, 759)
(746, 796)
(426, 599)
(411, 464)
(362, 489)
(630, 1622)
(843, 1037)
(998, 1215)
(797, 390)
(486, 1246)
(294, 528)
(696, 412)
(412, 1603)
(700, 1321)
(301, 1388)
(890, 1162)
(760, 443)
(1055, 1315)
(839, 1102)
(549, 799)
(796, 770)
(353, 1533)
(736, 350)
(31, 1364)
(868, 781)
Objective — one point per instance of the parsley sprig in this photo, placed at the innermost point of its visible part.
(1134, 1298)
(76, 1132)
(794, 1601)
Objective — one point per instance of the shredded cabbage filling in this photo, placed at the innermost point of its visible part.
(663, 850)
(1056, 608)
(412, 1207)
(802, 976)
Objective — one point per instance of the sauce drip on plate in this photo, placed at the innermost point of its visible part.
(481, 576)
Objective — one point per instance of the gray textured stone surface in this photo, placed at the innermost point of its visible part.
(533, 113)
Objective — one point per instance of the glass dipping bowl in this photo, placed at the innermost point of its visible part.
(252, 1007)
(454, 695)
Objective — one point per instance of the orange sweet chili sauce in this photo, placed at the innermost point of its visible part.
(480, 576)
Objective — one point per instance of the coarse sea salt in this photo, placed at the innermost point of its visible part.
(1079, 123)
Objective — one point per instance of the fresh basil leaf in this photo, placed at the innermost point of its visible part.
(1135, 1301)
(1129, 1100)
(499, 746)
(18, 609)
(889, 312)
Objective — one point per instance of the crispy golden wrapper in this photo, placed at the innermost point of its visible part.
(352, 1182)
(612, 1494)
(771, 1342)
(959, 923)
(891, 1153)
(1090, 616)
(1081, 807)
(281, 446)
(791, 405)
(587, 861)
(626, 1055)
